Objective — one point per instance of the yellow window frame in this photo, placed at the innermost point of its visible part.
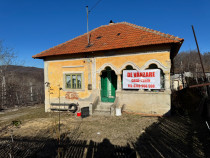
(76, 74)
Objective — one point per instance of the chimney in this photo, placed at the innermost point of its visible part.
(111, 22)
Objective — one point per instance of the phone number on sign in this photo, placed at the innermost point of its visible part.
(141, 86)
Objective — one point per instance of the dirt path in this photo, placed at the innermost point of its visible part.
(11, 117)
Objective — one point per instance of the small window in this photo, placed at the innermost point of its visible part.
(73, 81)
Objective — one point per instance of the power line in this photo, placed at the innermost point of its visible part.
(95, 5)
(88, 11)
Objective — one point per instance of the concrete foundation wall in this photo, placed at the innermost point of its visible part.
(145, 102)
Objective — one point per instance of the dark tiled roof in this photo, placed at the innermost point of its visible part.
(113, 36)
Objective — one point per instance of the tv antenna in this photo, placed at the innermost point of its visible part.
(88, 11)
(87, 25)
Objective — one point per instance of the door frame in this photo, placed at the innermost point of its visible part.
(109, 78)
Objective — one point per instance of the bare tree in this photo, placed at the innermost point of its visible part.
(19, 85)
(7, 57)
(188, 61)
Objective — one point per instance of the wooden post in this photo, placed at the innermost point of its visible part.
(207, 88)
(31, 86)
(199, 53)
(3, 90)
(2, 93)
(17, 98)
(196, 72)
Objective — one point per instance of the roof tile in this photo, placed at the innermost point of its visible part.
(114, 36)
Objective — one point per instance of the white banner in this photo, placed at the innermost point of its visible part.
(147, 79)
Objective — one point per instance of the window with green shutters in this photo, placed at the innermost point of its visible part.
(73, 81)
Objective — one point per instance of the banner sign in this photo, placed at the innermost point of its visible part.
(147, 79)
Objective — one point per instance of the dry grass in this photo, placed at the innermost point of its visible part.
(181, 135)
(35, 122)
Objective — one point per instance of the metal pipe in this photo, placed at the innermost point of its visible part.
(200, 85)
(87, 26)
(59, 114)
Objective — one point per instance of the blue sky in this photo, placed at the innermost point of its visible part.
(32, 26)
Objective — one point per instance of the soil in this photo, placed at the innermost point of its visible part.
(119, 130)
(38, 135)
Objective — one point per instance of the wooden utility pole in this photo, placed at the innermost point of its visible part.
(199, 54)
(205, 79)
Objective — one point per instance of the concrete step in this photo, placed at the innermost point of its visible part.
(103, 109)
(104, 106)
(102, 113)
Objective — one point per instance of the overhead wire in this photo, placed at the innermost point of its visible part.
(95, 5)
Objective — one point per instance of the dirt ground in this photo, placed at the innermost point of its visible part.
(34, 122)
(99, 136)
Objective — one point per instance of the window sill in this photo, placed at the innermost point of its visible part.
(144, 92)
(73, 90)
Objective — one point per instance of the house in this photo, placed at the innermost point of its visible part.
(88, 70)
(185, 79)
(178, 82)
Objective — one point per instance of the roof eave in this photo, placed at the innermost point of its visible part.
(175, 50)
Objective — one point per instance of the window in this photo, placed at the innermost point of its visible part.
(73, 81)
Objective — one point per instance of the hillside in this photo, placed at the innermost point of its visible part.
(24, 69)
(22, 85)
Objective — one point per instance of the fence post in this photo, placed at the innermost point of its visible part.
(31, 92)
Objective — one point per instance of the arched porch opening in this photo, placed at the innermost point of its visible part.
(128, 67)
(162, 75)
(108, 85)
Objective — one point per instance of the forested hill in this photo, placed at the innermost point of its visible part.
(24, 69)
(35, 74)
(21, 85)
(189, 61)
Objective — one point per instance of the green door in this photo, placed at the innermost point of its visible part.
(108, 86)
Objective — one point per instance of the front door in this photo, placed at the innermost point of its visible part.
(108, 86)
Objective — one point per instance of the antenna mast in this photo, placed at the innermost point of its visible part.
(87, 25)
(88, 11)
